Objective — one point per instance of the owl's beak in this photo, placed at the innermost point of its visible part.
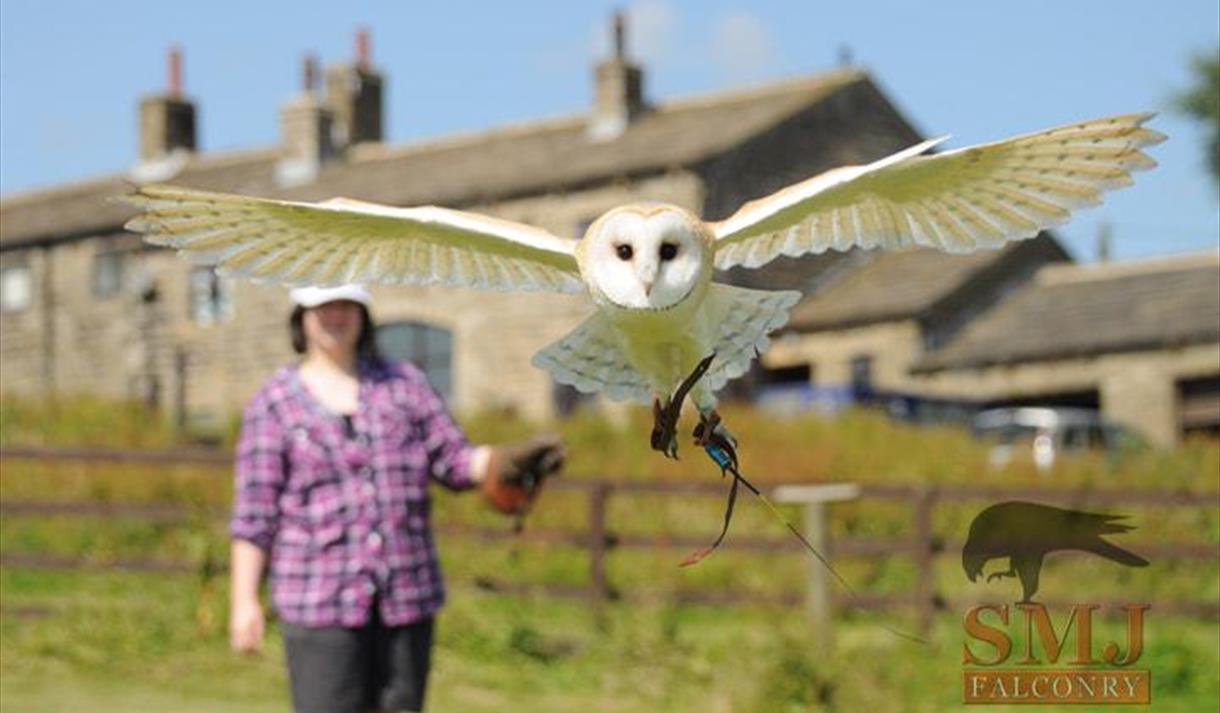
(647, 289)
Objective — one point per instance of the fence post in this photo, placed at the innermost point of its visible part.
(819, 600)
(599, 588)
(181, 366)
(925, 543)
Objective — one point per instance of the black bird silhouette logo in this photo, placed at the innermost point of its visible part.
(1026, 532)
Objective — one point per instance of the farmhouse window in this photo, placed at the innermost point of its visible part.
(428, 347)
(14, 288)
(108, 269)
(211, 296)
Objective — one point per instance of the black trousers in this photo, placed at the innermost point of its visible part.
(374, 668)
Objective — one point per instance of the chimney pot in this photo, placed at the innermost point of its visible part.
(620, 39)
(846, 58)
(309, 74)
(175, 71)
(362, 48)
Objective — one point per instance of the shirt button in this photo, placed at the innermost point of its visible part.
(374, 540)
(370, 588)
(368, 490)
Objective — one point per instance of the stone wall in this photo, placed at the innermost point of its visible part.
(1137, 389)
(893, 347)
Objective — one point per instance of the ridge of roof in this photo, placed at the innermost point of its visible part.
(837, 77)
(1089, 272)
(382, 151)
(87, 184)
(195, 162)
(577, 120)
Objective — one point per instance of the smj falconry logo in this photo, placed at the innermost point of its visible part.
(1025, 533)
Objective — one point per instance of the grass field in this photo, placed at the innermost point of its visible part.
(127, 642)
(106, 641)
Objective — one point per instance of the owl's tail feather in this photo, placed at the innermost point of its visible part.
(744, 319)
(589, 359)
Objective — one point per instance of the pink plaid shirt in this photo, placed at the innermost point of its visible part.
(345, 517)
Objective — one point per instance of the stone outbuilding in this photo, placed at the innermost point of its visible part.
(1140, 341)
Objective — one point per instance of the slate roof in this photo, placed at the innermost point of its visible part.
(879, 286)
(1083, 310)
(458, 170)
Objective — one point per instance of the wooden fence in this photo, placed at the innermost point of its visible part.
(922, 544)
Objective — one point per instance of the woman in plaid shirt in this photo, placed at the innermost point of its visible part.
(331, 497)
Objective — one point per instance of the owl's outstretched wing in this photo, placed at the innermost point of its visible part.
(343, 240)
(957, 201)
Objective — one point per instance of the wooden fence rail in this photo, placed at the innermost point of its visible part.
(922, 545)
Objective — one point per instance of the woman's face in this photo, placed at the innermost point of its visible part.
(332, 327)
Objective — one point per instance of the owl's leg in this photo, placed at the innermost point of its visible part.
(710, 433)
(708, 421)
(664, 430)
(665, 417)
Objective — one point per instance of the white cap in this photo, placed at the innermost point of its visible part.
(309, 297)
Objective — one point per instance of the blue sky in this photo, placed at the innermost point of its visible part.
(72, 72)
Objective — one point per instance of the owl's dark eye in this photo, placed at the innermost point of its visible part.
(668, 251)
(623, 251)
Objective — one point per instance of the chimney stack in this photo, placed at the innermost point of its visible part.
(619, 90)
(167, 121)
(306, 126)
(354, 94)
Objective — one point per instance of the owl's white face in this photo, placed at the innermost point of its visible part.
(644, 257)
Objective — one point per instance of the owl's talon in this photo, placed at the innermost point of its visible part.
(664, 429)
(706, 426)
(665, 418)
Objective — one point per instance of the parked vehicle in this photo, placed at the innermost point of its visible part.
(1049, 432)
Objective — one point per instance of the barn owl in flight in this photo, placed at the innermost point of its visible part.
(662, 328)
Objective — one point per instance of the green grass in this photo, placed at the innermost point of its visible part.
(106, 641)
(134, 642)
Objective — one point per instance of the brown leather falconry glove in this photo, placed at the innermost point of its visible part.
(516, 472)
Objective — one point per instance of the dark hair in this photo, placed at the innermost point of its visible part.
(366, 342)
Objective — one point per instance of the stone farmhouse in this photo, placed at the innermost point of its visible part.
(86, 307)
